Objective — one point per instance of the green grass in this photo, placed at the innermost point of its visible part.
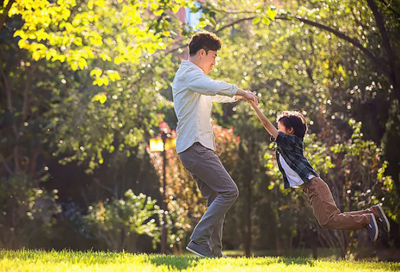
(35, 260)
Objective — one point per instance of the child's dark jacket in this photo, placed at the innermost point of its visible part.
(290, 147)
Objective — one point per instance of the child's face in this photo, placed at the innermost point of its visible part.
(282, 128)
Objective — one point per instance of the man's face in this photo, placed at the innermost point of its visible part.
(207, 61)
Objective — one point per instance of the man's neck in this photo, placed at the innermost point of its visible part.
(195, 61)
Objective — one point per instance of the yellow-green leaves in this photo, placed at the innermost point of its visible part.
(113, 75)
(96, 72)
(175, 8)
(271, 12)
(101, 97)
(101, 81)
(75, 32)
(256, 20)
(103, 78)
(265, 16)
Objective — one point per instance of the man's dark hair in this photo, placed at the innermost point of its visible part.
(295, 120)
(204, 40)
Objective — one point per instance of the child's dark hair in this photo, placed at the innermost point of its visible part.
(204, 40)
(295, 120)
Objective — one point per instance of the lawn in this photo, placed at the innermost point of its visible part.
(33, 260)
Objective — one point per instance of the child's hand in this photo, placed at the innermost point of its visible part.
(251, 97)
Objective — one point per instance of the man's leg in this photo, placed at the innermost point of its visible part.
(326, 211)
(204, 164)
(215, 241)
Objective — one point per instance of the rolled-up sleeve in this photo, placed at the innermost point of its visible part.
(200, 83)
(223, 99)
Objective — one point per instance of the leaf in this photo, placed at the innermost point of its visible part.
(82, 63)
(113, 75)
(78, 41)
(105, 80)
(272, 13)
(176, 8)
(154, 6)
(265, 21)
(256, 20)
(96, 72)
(103, 98)
(104, 57)
(74, 66)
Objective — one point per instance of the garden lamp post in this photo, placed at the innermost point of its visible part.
(161, 145)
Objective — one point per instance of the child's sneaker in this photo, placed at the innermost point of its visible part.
(382, 219)
(372, 228)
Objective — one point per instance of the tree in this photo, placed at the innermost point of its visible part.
(53, 110)
(78, 31)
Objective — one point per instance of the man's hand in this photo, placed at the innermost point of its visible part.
(247, 95)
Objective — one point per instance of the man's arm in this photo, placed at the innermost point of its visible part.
(202, 84)
(264, 120)
(223, 99)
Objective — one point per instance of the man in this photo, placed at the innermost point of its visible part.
(193, 93)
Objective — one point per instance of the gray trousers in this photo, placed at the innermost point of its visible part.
(217, 186)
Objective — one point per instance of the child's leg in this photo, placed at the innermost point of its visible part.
(372, 210)
(326, 211)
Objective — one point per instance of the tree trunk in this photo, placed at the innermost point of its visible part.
(4, 16)
(391, 58)
(247, 242)
(394, 76)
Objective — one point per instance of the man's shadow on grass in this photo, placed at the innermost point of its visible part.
(184, 262)
(296, 261)
(176, 262)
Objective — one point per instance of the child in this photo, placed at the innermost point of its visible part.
(297, 171)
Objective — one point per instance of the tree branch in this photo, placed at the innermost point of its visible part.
(390, 7)
(234, 23)
(103, 186)
(14, 126)
(5, 164)
(26, 94)
(33, 160)
(5, 14)
(341, 35)
(8, 91)
(9, 101)
(394, 74)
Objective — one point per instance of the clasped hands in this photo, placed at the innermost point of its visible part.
(248, 96)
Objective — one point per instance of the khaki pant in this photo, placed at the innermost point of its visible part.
(326, 211)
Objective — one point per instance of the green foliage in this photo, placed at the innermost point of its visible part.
(118, 222)
(294, 65)
(26, 211)
(77, 32)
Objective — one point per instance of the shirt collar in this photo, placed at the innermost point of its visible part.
(191, 64)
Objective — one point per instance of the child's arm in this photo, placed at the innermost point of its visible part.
(264, 120)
